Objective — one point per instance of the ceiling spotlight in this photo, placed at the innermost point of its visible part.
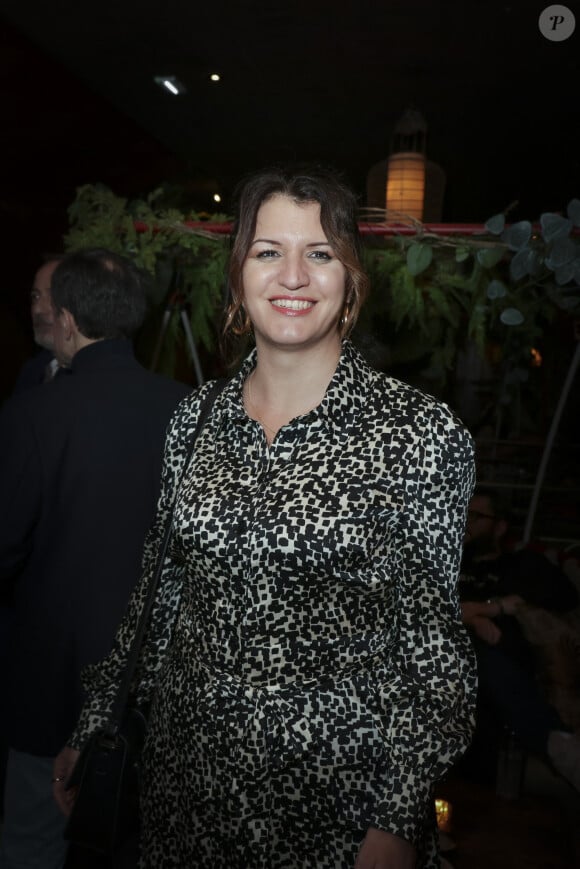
(217, 197)
(170, 83)
(215, 76)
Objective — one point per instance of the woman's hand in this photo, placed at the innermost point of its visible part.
(381, 850)
(63, 766)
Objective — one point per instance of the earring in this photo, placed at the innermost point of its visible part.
(344, 326)
(237, 320)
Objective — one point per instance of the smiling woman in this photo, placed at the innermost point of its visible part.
(332, 222)
(294, 285)
(296, 278)
(319, 679)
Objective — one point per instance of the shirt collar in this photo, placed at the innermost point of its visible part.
(344, 400)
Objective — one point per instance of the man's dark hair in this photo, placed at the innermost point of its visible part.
(105, 293)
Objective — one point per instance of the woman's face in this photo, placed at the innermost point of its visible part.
(294, 286)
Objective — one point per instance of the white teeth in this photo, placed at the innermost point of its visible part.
(293, 304)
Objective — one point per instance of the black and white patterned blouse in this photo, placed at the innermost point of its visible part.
(309, 672)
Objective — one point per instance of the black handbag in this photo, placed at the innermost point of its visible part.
(105, 813)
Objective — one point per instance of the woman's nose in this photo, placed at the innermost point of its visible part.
(293, 273)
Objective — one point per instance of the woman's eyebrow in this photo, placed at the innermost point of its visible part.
(273, 241)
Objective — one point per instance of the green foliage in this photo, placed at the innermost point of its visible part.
(431, 295)
(188, 265)
(419, 258)
(499, 289)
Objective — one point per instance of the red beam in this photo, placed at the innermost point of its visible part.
(365, 228)
(368, 228)
(433, 228)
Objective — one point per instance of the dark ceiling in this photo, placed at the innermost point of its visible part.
(300, 80)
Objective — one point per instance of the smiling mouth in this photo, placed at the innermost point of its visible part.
(292, 304)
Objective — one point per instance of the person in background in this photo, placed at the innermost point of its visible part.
(39, 369)
(320, 679)
(80, 462)
(494, 583)
(42, 367)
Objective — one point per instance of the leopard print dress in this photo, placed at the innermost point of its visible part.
(307, 669)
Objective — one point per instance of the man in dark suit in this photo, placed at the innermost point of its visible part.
(80, 462)
(40, 368)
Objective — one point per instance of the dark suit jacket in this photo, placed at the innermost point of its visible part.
(33, 371)
(80, 463)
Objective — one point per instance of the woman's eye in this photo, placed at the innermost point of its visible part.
(267, 254)
(321, 255)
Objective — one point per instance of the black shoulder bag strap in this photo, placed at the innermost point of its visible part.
(122, 696)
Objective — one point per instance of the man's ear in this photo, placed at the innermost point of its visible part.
(68, 323)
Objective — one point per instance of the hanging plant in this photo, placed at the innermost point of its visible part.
(431, 295)
(187, 263)
(479, 287)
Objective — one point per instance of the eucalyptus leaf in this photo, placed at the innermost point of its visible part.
(495, 224)
(511, 317)
(490, 256)
(419, 258)
(567, 303)
(517, 235)
(573, 211)
(564, 274)
(461, 254)
(534, 261)
(563, 251)
(496, 290)
(554, 226)
(520, 265)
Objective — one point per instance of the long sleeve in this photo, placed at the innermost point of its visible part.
(429, 696)
(101, 680)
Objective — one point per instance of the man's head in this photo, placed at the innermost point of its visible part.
(41, 309)
(486, 524)
(96, 295)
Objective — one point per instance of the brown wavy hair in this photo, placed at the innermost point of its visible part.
(338, 218)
